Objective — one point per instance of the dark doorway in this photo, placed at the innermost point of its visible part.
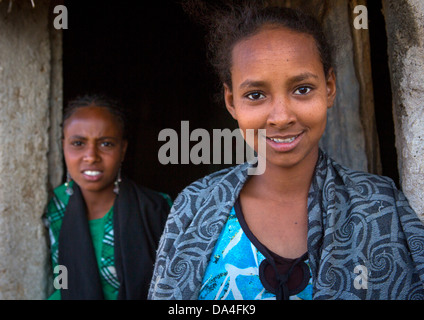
(382, 90)
(151, 57)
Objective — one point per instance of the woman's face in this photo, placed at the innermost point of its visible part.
(278, 84)
(94, 148)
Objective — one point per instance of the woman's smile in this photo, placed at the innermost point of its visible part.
(92, 175)
(284, 143)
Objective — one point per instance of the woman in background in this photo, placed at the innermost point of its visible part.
(104, 228)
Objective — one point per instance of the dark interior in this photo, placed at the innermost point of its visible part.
(152, 58)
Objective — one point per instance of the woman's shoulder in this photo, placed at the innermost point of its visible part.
(57, 205)
(366, 183)
(60, 191)
(59, 196)
(218, 187)
(363, 184)
(205, 200)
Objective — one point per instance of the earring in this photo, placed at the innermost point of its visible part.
(69, 190)
(117, 182)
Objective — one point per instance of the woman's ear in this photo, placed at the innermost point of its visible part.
(229, 101)
(331, 88)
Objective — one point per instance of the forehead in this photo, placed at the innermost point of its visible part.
(277, 47)
(93, 119)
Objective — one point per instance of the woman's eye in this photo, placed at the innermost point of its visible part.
(76, 143)
(107, 144)
(303, 90)
(255, 96)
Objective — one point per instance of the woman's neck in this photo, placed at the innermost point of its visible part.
(98, 203)
(284, 184)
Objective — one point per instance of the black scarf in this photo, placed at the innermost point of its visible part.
(139, 216)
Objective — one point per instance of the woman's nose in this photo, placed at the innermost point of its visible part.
(91, 155)
(281, 115)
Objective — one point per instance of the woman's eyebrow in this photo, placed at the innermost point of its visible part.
(252, 83)
(77, 137)
(302, 77)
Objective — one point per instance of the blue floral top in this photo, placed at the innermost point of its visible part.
(233, 272)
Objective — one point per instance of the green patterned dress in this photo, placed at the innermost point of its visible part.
(101, 233)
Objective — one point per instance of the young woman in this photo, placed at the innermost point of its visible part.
(307, 228)
(104, 229)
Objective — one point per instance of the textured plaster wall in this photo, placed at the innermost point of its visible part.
(405, 30)
(24, 123)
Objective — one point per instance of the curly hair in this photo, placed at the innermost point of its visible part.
(229, 22)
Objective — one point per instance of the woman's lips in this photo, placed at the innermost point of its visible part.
(92, 175)
(284, 143)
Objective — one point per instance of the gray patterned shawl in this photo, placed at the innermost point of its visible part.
(355, 219)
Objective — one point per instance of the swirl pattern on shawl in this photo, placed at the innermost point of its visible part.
(354, 219)
(362, 225)
(194, 224)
